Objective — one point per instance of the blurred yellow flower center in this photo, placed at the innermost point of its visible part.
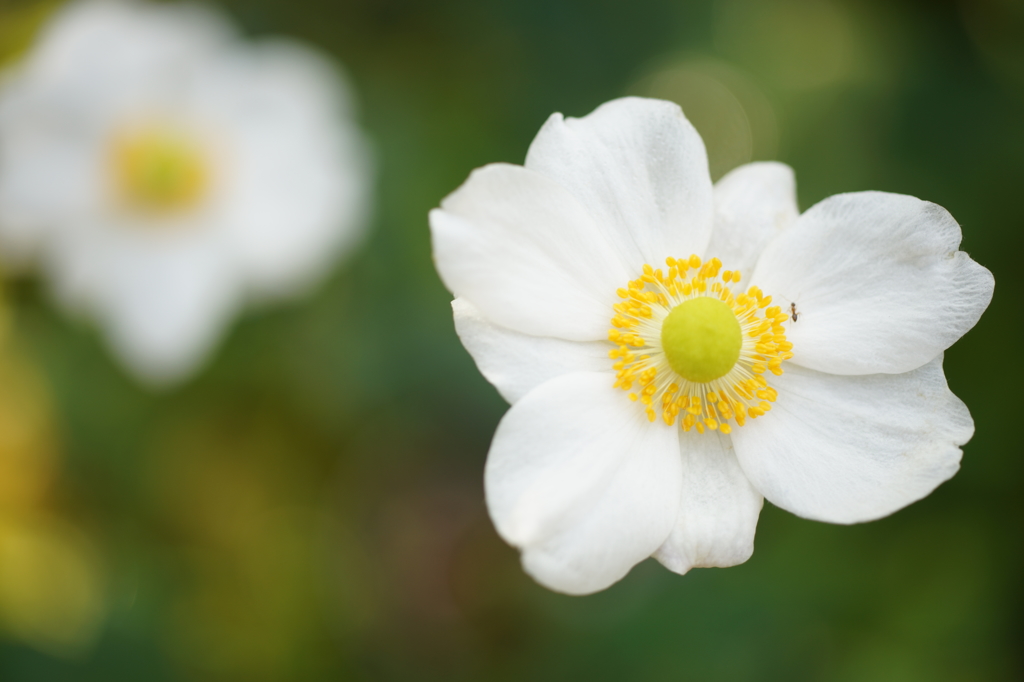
(689, 348)
(160, 170)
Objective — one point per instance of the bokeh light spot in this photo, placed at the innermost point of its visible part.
(736, 121)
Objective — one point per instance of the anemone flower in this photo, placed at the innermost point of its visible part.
(164, 172)
(675, 351)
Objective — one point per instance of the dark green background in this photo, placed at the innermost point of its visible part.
(311, 506)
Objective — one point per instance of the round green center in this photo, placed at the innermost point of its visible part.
(160, 170)
(701, 339)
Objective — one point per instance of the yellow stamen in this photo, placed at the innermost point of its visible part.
(735, 391)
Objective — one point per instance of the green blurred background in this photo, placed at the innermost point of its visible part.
(311, 506)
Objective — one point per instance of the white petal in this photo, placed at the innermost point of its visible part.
(46, 177)
(516, 363)
(52, 164)
(298, 185)
(846, 449)
(95, 47)
(641, 170)
(163, 300)
(718, 510)
(878, 283)
(753, 204)
(581, 482)
(524, 252)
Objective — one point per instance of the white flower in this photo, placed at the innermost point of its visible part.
(655, 400)
(164, 172)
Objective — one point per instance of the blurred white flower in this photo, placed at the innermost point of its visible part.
(660, 435)
(164, 172)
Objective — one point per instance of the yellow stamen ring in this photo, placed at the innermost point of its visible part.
(689, 348)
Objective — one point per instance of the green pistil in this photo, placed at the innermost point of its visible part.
(701, 339)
